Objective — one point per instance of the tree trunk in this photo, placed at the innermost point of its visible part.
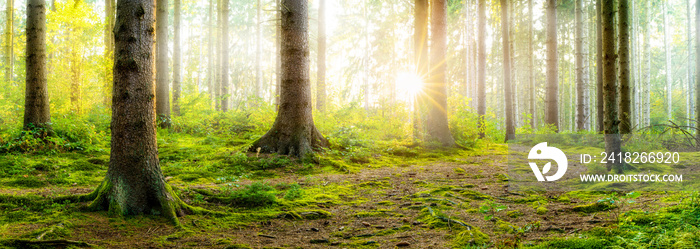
(697, 64)
(224, 56)
(438, 126)
(162, 79)
(293, 132)
(134, 183)
(612, 139)
(599, 68)
(420, 38)
(481, 70)
(688, 77)
(581, 73)
(624, 53)
(75, 63)
(177, 60)
(9, 41)
(278, 41)
(531, 62)
(552, 107)
(211, 82)
(36, 101)
(510, 128)
(218, 65)
(109, 50)
(647, 74)
(321, 73)
(467, 46)
(669, 79)
(258, 51)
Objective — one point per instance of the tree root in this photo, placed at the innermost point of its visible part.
(23, 243)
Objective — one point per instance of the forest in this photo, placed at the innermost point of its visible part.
(350, 124)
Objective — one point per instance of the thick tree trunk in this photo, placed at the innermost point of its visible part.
(667, 52)
(36, 101)
(624, 52)
(293, 132)
(551, 105)
(581, 72)
(612, 139)
(420, 39)
(9, 41)
(510, 128)
(258, 51)
(438, 126)
(134, 183)
(162, 78)
(109, 51)
(321, 72)
(177, 59)
(224, 57)
(599, 68)
(481, 70)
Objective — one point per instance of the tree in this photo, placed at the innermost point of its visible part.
(177, 59)
(667, 52)
(582, 112)
(293, 132)
(599, 68)
(258, 51)
(321, 72)
(438, 127)
(612, 138)
(697, 63)
(481, 70)
(218, 64)
(36, 98)
(420, 40)
(647, 75)
(134, 183)
(162, 79)
(531, 62)
(624, 53)
(76, 59)
(109, 50)
(210, 54)
(9, 40)
(688, 77)
(223, 52)
(510, 128)
(551, 103)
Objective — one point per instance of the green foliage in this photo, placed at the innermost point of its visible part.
(295, 192)
(490, 208)
(256, 194)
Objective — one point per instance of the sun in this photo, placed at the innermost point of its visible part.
(410, 83)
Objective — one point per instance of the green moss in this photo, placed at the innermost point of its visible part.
(514, 214)
(27, 182)
(474, 195)
(473, 237)
(394, 230)
(593, 207)
(504, 227)
(238, 246)
(541, 210)
(575, 243)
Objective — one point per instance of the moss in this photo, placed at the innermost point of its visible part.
(385, 203)
(27, 182)
(459, 170)
(473, 237)
(238, 246)
(541, 210)
(305, 214)
(394, 230)
(474, 195)
(514, 214)
(593, 207)
(504, 227)
(575, 243)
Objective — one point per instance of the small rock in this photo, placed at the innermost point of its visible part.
(403, 243)
(484, 188)
(366, 224)
(314, 229)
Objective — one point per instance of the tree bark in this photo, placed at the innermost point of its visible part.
(688, 77)
(599, 68)
(109, 50)
(438, 126)
(293, 132)
(551, 105)
(134, 183)
(582, 112)
(162, 78)
(224, 56)
(531, 62)
(612, 139)
(36, 101)
(321, 72)
(510, 128)
(669, 79)
(624, 109)
(647, 75)
(481, 70)
(177, 59)
(420, 39)
(278, 41)
(9, 41)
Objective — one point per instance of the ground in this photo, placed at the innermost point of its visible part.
(395, 196)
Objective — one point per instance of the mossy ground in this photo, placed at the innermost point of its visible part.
(366, 197)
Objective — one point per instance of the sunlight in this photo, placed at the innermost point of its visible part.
(411, 83)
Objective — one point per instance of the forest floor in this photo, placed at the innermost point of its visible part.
(390, 196)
